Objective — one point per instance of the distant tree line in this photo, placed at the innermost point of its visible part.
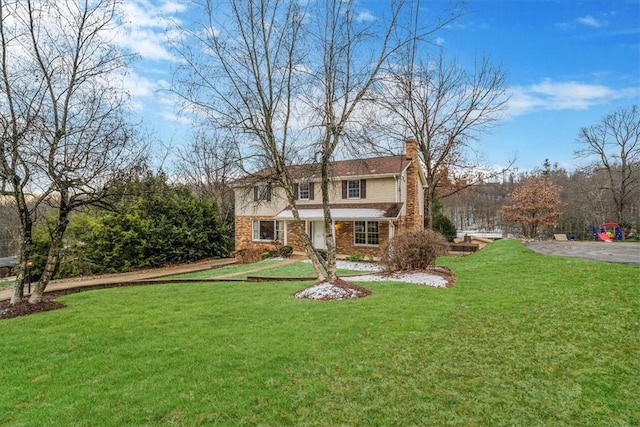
(584, 203)
(606, 190)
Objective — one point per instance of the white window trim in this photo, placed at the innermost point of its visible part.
(366, 234)
(263, 193)
(308, 185)
(276, 230)
(349, 196)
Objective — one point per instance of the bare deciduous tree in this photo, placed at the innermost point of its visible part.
(208, 164)
(21, 104)
(614, 143)
(243, 72)
(444, 106)
(77, 138)
(271, 69)
(353, 56)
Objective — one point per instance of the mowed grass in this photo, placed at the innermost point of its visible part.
(266, 268)
(521, 339)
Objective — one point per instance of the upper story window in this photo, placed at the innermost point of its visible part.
(304, 189)
(354, 189)
(262, 193)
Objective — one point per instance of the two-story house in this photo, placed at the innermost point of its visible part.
(371, 200)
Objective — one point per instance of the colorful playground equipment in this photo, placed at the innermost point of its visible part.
(607, 232)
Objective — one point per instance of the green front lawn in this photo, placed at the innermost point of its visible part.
(268, 268)
(521, 339)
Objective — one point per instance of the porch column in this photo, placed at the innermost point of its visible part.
(333, 232)
(286, 233)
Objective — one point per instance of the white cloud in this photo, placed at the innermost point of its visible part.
(439, 41)
(589, 21)
(176, 118)
(366, 16)
(137, 85)
(148, 26)
(549, 95)
(173, 7)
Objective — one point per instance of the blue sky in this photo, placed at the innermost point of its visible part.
(569, 63)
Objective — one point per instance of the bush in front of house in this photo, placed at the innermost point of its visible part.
(355, 257)
(414, 250)
(278, 251)
(285, 251)
(248, 255)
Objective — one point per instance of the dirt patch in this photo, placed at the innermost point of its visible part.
(23, 308)
(49, 300)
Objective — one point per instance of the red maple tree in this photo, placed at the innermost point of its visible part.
(535, 203)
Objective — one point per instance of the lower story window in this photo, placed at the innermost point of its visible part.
(366, 232)
(266, 230)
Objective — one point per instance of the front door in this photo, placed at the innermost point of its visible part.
(316, 231)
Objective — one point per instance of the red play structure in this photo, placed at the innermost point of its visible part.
(607, 232)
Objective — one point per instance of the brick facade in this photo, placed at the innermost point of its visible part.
(345, 239)
(412, 220)
(244, 232)
(293, 236)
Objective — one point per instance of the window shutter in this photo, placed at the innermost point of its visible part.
(311, 191)
(363, 188)
(268, 193)
(255, 194)
(296, 191)
(344, 189)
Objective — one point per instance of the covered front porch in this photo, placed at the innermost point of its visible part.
(358, 228)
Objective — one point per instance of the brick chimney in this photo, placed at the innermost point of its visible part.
(411, 148)
(414, 219)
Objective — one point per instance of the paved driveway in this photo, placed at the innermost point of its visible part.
(624, 253)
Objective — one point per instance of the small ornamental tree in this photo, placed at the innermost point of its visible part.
(535, 203)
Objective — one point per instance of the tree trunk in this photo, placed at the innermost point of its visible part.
(25, 247)
(312, 254)
(53, 257)
(430, 201)
(328, 223)
(18, 287)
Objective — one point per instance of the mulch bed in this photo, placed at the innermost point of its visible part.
(23, 308)
(49, 301)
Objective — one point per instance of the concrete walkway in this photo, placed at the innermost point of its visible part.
(619, 252)
(257, 269)
(136, 276)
